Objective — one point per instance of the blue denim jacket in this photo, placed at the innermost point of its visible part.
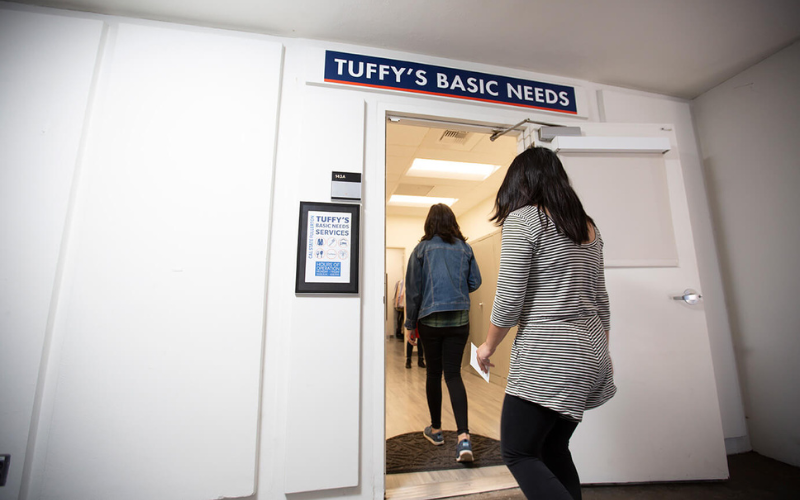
(440, 277)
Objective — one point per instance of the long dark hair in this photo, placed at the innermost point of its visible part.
(537, 177)
(441, 221)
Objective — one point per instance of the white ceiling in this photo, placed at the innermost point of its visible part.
(675, 47)
(405, 142)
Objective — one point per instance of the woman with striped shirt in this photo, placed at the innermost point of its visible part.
(551, 284)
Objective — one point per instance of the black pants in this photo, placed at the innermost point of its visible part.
(444, 348)
(410, 349)
(399, 318)
(535, 445)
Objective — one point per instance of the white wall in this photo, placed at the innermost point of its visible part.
(44, 92)
(404, 232)
(748, 129)
(149, 384)
(475, 222)
(325, 348)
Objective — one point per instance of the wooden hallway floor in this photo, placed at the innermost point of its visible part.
(407, 411)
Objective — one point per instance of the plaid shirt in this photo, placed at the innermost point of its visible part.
(446, 319)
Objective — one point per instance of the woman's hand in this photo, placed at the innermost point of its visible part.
(409, 337)
(483, 354)
(494, 336)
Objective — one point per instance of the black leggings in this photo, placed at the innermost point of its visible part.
(444, 348)
(535, 445)
(410, 348)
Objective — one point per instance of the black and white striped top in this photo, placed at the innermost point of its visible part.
(555, 291)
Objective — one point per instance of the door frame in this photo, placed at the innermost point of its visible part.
(458, 112)
(375, 226)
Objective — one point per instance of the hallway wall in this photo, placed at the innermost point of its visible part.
(38, 155)
(475, 222)
(404, 232)
(748, 129)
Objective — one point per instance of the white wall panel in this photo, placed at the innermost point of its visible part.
(47, 64)
(748, 130)
(324, 404)
(160, 324)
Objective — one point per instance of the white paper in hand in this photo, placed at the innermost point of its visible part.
(473, 361)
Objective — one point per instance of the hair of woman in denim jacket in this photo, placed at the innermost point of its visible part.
(537, 177)
(441, 221)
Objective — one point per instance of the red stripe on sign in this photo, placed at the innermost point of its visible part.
(451, 95)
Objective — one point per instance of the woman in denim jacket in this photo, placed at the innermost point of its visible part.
(441, 274)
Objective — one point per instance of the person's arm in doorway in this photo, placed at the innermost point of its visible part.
(474, 279)
(413, 290)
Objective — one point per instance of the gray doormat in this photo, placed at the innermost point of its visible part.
(411, 452)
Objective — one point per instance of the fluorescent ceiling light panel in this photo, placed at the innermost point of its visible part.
(401, 200)
(451, 169)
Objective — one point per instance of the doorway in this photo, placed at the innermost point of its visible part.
(409, 194)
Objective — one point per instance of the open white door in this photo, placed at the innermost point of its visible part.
(664, 423)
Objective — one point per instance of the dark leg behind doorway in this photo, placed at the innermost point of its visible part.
(399, 318)
(420, 353)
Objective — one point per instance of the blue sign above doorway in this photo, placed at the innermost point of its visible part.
(378, 72)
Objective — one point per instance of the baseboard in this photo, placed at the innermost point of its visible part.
(736, 445)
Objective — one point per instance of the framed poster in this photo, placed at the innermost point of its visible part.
(327, 248)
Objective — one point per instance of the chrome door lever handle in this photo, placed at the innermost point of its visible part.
(689, 296)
